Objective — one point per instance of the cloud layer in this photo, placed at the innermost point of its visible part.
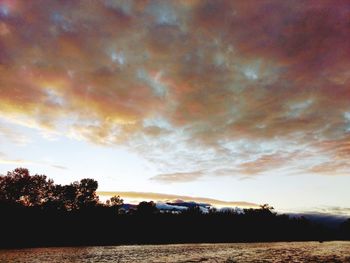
(199, 88)
(142, 196)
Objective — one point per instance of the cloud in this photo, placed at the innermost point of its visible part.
(141, 196)
(338, 210)
(13, 136)
(329, 215)
(339, 150)
(177, 177)
(329, 219)
(243, 87)
(5, 159)
(59, 166)
(263, 163)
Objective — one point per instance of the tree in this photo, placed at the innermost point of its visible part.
(67, 196)
(345, 229)
(193, 211)
(115, 202)
(266, 209)
(86, 193)
(19, 186)
(146, 208)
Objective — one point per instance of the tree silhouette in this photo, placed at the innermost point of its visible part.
(67, 196)
(265, 211)
(116, 201)
(19, 187)
(36, 212)
(345, 229)
(146, 208)
(192, 211)
(86, 193)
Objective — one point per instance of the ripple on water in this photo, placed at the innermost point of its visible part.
(229, 253)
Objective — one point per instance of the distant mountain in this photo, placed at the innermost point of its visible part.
(190, 204)
(330, 220)
(170, 207)
(177, 206)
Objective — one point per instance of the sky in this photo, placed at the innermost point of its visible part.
(238, 101)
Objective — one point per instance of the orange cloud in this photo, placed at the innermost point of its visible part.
(169, 197)
(207, 75)
(264, 163)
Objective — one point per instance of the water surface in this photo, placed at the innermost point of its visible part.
(257, 252)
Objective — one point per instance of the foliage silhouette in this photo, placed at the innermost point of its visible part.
(146, 208)
(36, 212)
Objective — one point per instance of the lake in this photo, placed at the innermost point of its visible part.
(336, 251)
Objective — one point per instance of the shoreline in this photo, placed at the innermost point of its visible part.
(172, 244)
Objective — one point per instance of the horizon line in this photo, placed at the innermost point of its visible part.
(168, 197)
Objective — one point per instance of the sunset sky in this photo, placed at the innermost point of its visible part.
(229, 100)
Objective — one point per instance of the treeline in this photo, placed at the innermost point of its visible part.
(34, 211)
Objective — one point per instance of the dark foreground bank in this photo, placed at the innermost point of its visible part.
(35, 212)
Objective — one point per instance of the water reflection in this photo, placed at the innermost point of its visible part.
(258, 252)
